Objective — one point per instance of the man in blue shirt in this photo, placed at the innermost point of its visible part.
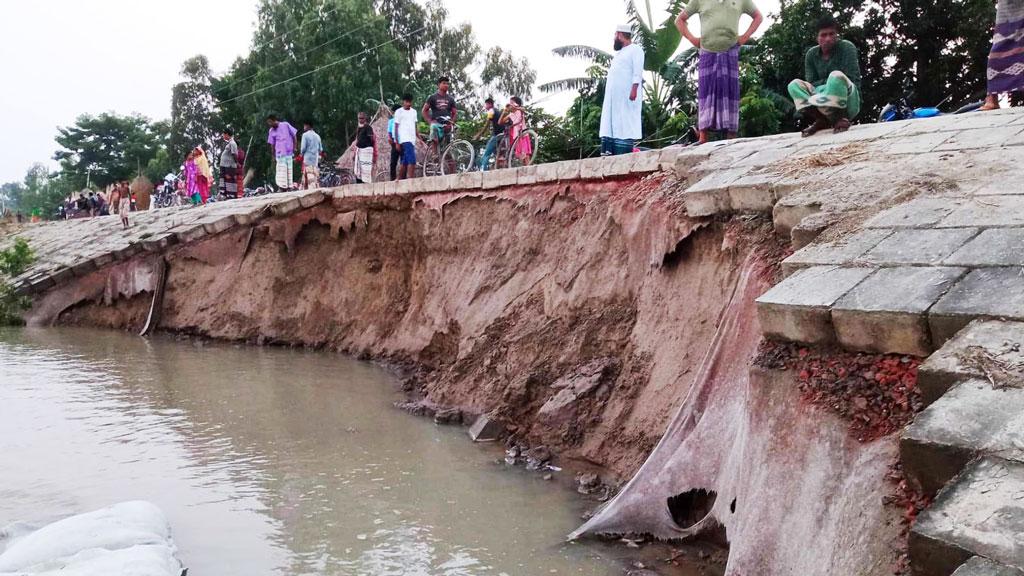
(310, 149)
(396, 148)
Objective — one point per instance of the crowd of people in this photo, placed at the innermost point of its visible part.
(828, 97)
(116, 198)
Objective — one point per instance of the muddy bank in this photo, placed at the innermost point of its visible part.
(582, 316)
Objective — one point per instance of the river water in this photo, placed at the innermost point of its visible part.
(268, 461)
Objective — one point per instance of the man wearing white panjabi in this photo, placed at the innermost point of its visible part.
(620, 117)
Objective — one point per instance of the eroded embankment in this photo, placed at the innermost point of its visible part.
(582, 316)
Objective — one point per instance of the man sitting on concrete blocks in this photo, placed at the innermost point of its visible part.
(829, 95)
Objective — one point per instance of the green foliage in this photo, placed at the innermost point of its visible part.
(39, 193)
(13, 261)
(194, 121)
(505, 74)
(107, 148)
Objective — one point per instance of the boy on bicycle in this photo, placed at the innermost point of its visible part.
(497, 132)
(439, 111)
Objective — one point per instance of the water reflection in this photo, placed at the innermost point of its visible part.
(266, 461)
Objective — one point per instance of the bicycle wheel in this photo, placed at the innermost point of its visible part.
(515, 160)
(382, 175)
(431, 163)
(458, 158)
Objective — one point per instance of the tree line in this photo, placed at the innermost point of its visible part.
(327, 60)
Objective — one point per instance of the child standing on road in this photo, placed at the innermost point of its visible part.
(405, 126)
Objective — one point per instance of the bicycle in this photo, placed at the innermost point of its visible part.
(514, 161)
(456, 156)
(499, 159)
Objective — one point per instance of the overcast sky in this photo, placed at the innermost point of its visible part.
(63, 58)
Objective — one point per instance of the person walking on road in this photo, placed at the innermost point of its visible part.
(311, 149)
(366, 150)
(124, 203)
(396, 148)
(282, 140)
(405, 127)
(229, 165)
(718, 68)
(1006, 60)
(623, 101)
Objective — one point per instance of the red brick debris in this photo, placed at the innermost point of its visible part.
(908, 502)
(876, 393)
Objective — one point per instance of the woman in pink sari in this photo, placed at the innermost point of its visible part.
(192, 178)
(204, 176)
(516, 118)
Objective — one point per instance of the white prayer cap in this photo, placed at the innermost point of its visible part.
(625, 28)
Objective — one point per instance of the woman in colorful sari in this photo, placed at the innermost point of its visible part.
(204, 178)
(1006, 60)
(515, 117)
(192, 178)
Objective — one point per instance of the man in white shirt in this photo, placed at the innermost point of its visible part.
(405, 127)
(620, 117)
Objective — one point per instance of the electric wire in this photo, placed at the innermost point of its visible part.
(321, 68)
(303, 53)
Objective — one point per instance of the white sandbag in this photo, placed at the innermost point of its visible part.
(155, 560)
(137, 531)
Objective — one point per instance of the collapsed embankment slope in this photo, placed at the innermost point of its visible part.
(579, 314)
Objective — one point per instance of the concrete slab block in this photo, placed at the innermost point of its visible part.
(526, 175)
(980, 138)
(980, 514)
(918, 213)
(667, 157)
(593, 168)
(498, 178)
(486, 429)
(1001, 342)
(886, 313)
(799, 308)
(311, 199)
(766, 157)
(789, 212)
(707, 203)
(993, 247)
(217, 224)
(987, 211)
(842, 251)
(620, 165)
(568, 170)
(719, 180)
(687, 160)
(972, 419)
(646, 162)
(194, 233)
(918, 144)
(469, 181)
(979, 566)
(547, 172)
(990, 119)
(919, 246)
(810, 229)
(988, 293)
(286, 206)
(753, 193)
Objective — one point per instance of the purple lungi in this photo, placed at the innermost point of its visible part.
(1006, 61)
(718, 90)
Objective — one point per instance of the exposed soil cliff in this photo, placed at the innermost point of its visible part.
(580, 315)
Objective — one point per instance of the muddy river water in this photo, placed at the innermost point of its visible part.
(268, 461)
